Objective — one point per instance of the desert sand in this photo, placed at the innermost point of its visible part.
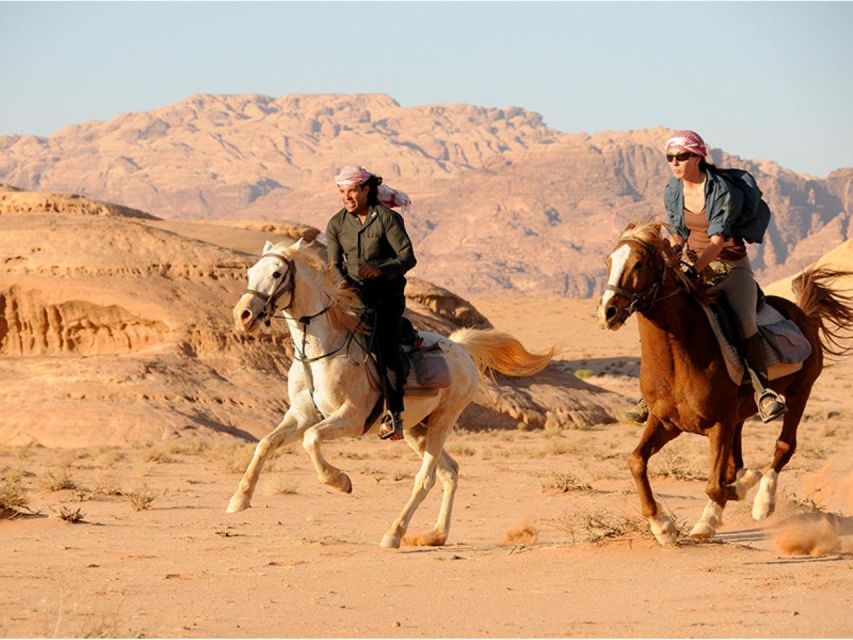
(547, 539)
(130, 409)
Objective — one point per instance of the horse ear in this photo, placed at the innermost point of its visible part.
(631, 225)
(267, 246)
(297, 244)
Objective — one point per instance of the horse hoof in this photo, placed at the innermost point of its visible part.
(390, 542)
(238, 503)
(702, 531)
(663, 530)
(344, 484)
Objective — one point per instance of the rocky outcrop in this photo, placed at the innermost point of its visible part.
(118, 329)
(29, 326)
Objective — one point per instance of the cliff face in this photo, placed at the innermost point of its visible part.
(116, 327)
(502, 202)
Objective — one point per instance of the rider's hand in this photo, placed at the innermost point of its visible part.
(344, 284)
(368, 272)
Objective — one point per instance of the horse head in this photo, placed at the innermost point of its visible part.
(635, 269)
(295, 279)
(272, 284)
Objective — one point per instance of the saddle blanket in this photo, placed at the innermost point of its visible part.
(428, 368)
(785, 345)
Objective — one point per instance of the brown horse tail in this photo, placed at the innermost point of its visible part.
(831, 311)
(493, 350)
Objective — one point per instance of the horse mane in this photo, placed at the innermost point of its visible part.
(346, 307)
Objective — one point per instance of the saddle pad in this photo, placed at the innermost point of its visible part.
(768, 319)
(429, 370)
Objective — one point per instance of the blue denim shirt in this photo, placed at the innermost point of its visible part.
(723, 206)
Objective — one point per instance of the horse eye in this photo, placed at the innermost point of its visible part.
(638, 265)
(276, 275)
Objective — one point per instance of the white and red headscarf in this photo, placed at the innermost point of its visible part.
(686, 141)
(356, 174)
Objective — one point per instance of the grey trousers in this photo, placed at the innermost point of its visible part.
(740, 291)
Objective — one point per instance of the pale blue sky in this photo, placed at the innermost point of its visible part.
(763, 80)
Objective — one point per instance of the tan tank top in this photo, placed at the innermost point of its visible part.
(698, 240)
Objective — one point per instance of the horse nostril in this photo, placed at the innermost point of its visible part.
(246, 315)
(611, 311)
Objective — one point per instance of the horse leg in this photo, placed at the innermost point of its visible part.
(448, 474)
(720, 444)
(287, 430)
(738, 479)
(654, 437)
(440, 423)
(339, 425)
(786, 444)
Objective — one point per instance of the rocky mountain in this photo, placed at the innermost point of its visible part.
(502, 202)
(116, 328)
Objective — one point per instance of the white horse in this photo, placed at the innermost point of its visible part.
(331, 395)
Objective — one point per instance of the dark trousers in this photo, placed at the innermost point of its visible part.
(393, 364)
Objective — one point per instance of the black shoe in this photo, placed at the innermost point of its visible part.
(639, 412)
(392, 426)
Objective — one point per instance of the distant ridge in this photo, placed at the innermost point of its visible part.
(502, 202)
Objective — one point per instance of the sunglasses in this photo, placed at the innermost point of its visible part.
(681, 157)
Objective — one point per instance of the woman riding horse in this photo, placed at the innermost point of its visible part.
(707, 210)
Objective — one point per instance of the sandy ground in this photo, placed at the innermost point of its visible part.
(547, 539)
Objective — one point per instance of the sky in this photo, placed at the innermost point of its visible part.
(762, 80)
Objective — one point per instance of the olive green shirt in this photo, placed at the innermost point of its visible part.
(381, 242)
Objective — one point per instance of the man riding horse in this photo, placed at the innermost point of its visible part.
(370, 251)
(708, 211)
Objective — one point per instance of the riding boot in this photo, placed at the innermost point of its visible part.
(639, 412)
(771, 405)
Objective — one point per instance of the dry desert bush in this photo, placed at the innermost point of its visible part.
(564, 483)
(141, 499)
(12, 495)
(60, 480)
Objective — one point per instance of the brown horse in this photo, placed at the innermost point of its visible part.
(683, 376)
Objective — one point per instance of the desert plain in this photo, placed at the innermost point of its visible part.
(130, 406)
(120, 452)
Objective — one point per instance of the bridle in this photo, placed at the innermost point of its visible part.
(284, 285)
(647, 298)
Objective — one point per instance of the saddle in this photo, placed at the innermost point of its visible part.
(785, 346)
(428, 370)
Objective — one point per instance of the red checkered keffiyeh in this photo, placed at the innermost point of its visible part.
(686, 141)
(356, 174)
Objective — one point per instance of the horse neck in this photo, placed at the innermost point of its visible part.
(319, 333)
(673, 321)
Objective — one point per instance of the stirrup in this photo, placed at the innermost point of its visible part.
(391, 427)
(771, 405)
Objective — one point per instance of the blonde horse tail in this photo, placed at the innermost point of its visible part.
(493, 350)
(830, 310)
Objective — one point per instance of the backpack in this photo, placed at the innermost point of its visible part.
(755, 215)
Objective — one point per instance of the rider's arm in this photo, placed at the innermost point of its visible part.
(395, 232)
(710, 253)
(336, 255)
